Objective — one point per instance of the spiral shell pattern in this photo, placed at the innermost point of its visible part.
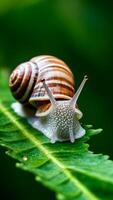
(58, 77)
(26, 81)
(22, 81)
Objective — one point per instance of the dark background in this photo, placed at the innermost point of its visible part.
(79, 32)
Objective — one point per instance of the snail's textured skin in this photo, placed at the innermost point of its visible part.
(57, 126)
(63, 119)
(47, 84)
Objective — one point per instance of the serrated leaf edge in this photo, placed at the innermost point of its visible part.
(37, 143)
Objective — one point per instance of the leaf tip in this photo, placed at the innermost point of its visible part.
(99, 130)
(94, 131)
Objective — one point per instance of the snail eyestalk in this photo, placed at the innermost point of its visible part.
(51, 97)
(77, 94)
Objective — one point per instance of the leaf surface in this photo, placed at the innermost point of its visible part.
(71, 170)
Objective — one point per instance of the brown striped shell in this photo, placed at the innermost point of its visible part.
(22, 81)
(26, 81)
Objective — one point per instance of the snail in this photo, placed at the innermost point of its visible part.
(44, 90)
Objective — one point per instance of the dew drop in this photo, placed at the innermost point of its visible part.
(25, 158)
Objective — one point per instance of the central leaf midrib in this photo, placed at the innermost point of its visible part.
(34, 140)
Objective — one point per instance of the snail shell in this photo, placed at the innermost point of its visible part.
(47, 84)
(26, 81)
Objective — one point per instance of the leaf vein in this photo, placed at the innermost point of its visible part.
(37, 143)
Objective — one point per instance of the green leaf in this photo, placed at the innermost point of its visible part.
(69, 169)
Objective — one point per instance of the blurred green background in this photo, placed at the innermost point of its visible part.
(81, 33)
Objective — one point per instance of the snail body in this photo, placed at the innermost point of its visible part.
(44, 89)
